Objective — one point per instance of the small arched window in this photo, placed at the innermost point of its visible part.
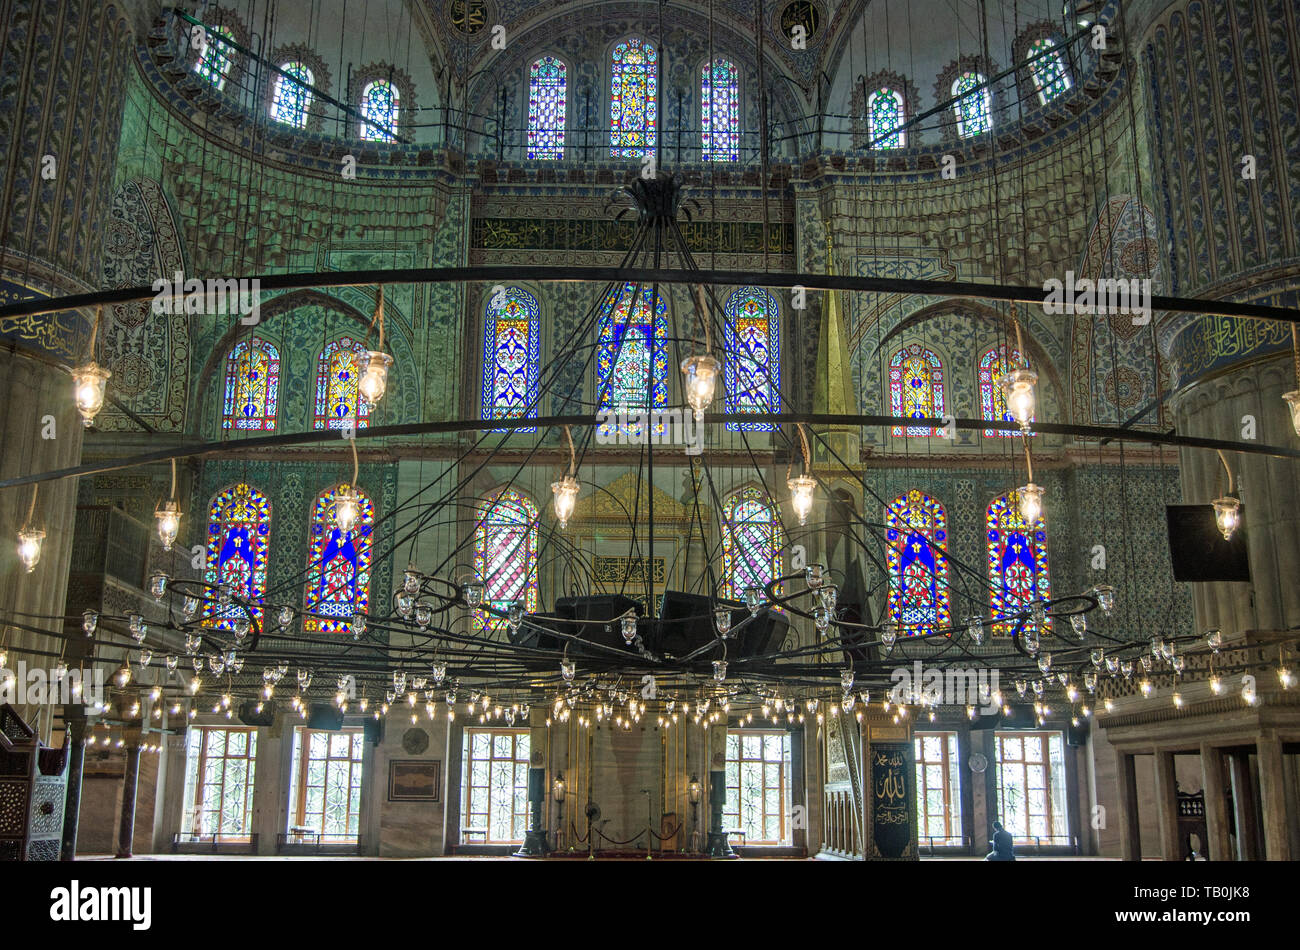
(505, 554)
(751, 542)
(338, 566)
(996, 362)
(1048, 69)
(1018, 572)
(380, 108)
(239, 530)
(633, 99)
(511, 355)
(885, 115)
(753, 356)
(291, 103)
(338, 404)
(632, 358)
(916, 531)
(972, 105)
(916, 387)
(217, 57)
(252, 386)
(547, 100)
(720, 111)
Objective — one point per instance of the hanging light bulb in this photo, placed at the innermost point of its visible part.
(566, 498)
(701, 377)
(1214, 638)
(89, 621)
(347, 508)
(719, 670)
(1216, 685)
(29, 547)
(846, 680)
(1285, 677)
(410, 581)
(975, 626)
(1248, 691)
(374, 376)
(1293, 403)
(158, 585)
(722, 620)
(802, 488)
(1079, 622)
(123, 676)
(88, 383)
(439, 671)
(1105, 595)
(1090, 680)
(888, 635)
(754, 598)
(168, 518)
(567, 669)
(1031, 503)
(358, 625)
(472, 592)
(628, 626)
(1018, 388)
(1227, 515)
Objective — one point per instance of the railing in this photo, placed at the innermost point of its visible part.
(1041, 842)
(945, 843)
(840, 824)
(310, 842)
(191, 842)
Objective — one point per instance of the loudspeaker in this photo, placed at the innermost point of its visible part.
(765, 633)
(1077, 735)
(325, 716)
(1021, 717)
(373, 730)
(249, 715)
(1197, 548)
(607, 608)
(686, 622)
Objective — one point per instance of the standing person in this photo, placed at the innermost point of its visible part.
(1003, 844)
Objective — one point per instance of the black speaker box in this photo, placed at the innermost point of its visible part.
(1077, 735)
(373, 730)
(1198, 550)
(1021, 717)
(325, 716)
(249, 715)
(686, 622)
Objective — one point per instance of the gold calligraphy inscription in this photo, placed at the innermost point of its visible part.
(722, 237)
(614, 569)
(1217, 339)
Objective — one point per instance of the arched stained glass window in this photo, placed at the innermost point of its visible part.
(916, 387)
(338, 566)
(720, 111)
(291, 103)
(218, 55)
(1050, 76)
(996, 362)
(633, 99)
(972, 105)
(547, 98)
(380, 106)
(511, 356)
(239, 529)
(884, 116)
(252, 386)
(632, 358)
(751, 542)
(505, 554)
(338, 404)
(753, 356)
(1017, 562)
(916, 530)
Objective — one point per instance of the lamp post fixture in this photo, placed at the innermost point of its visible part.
(535, 845)
(557, 792)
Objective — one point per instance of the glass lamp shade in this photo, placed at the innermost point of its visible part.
(89, 621)
(566, 498)
(567, 670)
(1030, 501)
(1018, 388)
(88, 384)
(29, 547)
(374, 376)
(473, 593)
(694, 790)
(347, 508)
(559, 789)
(700, 380)
(158, 585)
(722, 619)
(628, 626)
(1105, 598)
(719, 670)
(168, 519)
(439, 671)
(976, 628)
(802, 488)
(1227, 515)
(754, 598)
(813, 576)
(1293, 403)
(846, 680)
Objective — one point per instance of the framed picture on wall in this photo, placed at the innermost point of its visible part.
(414, 780)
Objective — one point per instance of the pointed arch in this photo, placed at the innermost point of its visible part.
(994, 364)
(239, 531)
(916, 388)
(720, 111)
(548, 78)
(972, 105)
(338, 565)
(252, 386)
(1051, 78)
(916, 532)
(633, 99)
(292, 99)
(338, 403)
(752, 540)
(1018, 570)
(752, 340)
(505, 554)
(381, 109)
(886, 113)
(632, 357)
(511, 355)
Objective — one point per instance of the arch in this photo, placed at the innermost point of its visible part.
(972, 104)
(252, 386)
(994, 364)
(505, 554)
(632, 357)
(216, 62)
(548, 78)
(511, 355)
(886, 111)
(720, 111)
(633, 98)
(239, 531)
(1018, 570)
(916, 532)
(751, 542)
(338, 403)
(338, 565)
(752, 340)
(1050, 76)
(381, 108)
(916, 388)
(292, 97)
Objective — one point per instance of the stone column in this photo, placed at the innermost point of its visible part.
(1130, 832)
(1166, 805)
(1218, 845)
(1243, 800)
(1273, 799)
(72, 802)
(126, 825)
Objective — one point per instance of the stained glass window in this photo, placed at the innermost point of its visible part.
(511, 356)
(292, 100)
(379, 106)
(338, 404)
(916, 531)
(494, 785)
(338, 566)
(751, 542)
(633, 99)
(938, 789)
(1050, 77)
(996, 362)
(252, 386)
(885, 113)
(547, 98)
(753, 356)
(916, 387)
(720, 111)
(1017, 563)
(758, 785)
(632, 357)
(239, 530)
(972, 105)
(505, 554)
(214, 64)
(325, 787)
(1030, 777)
(219, 771)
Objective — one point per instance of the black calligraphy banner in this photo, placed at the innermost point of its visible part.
(893, 800)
